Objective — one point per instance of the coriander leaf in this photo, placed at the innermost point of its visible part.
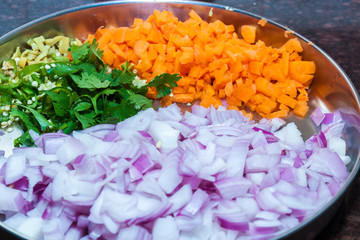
(86, 120)
(82, 106)
(60, 101)
(44, 123)
(140, 102)
(107, 92)
(63, 70)
(125, 93)
(111, 120)
(4, 78)
(121, 77)
(121, 111)
(164, 83)
(87, 67)
(24, 140)
(80, 53)
(89, 81)
(95, 50)
(103, 76)
(67, 69)
(25, 118)
(6, 96)
(73, 96)
(94, 99)
(68, 127)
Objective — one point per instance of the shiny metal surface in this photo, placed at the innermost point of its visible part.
(331, 89)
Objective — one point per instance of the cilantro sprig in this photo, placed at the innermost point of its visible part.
(86, 93)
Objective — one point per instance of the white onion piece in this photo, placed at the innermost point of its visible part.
(290, 135)
(15, 168)
(234, 187)
(337, 145)
(11, 199)
(53, 230)
(267, 201)
(16, 220)
(73, 233)
(134, 232)
(329, 163)
(164, 135)
(165, 228)
(32, 227)
(69, 150)
(180, 198)
(266, 215)
(169, 177)
(317, 116)
(197, 200)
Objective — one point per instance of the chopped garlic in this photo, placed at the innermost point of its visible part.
(64, 45)
(35, 84)
(211, 12)
(137, 82)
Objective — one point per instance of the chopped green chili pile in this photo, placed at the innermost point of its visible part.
(74, 94)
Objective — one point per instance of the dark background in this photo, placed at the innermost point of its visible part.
(333, 25)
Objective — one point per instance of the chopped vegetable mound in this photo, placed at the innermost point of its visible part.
(54, 89)
(214, 63)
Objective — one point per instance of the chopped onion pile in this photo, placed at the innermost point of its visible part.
(208, 174)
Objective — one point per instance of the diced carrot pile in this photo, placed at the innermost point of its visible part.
(214, 62)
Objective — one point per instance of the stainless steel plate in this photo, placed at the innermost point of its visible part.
(331, 88)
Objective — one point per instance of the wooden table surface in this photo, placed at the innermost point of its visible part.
(333, 25)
